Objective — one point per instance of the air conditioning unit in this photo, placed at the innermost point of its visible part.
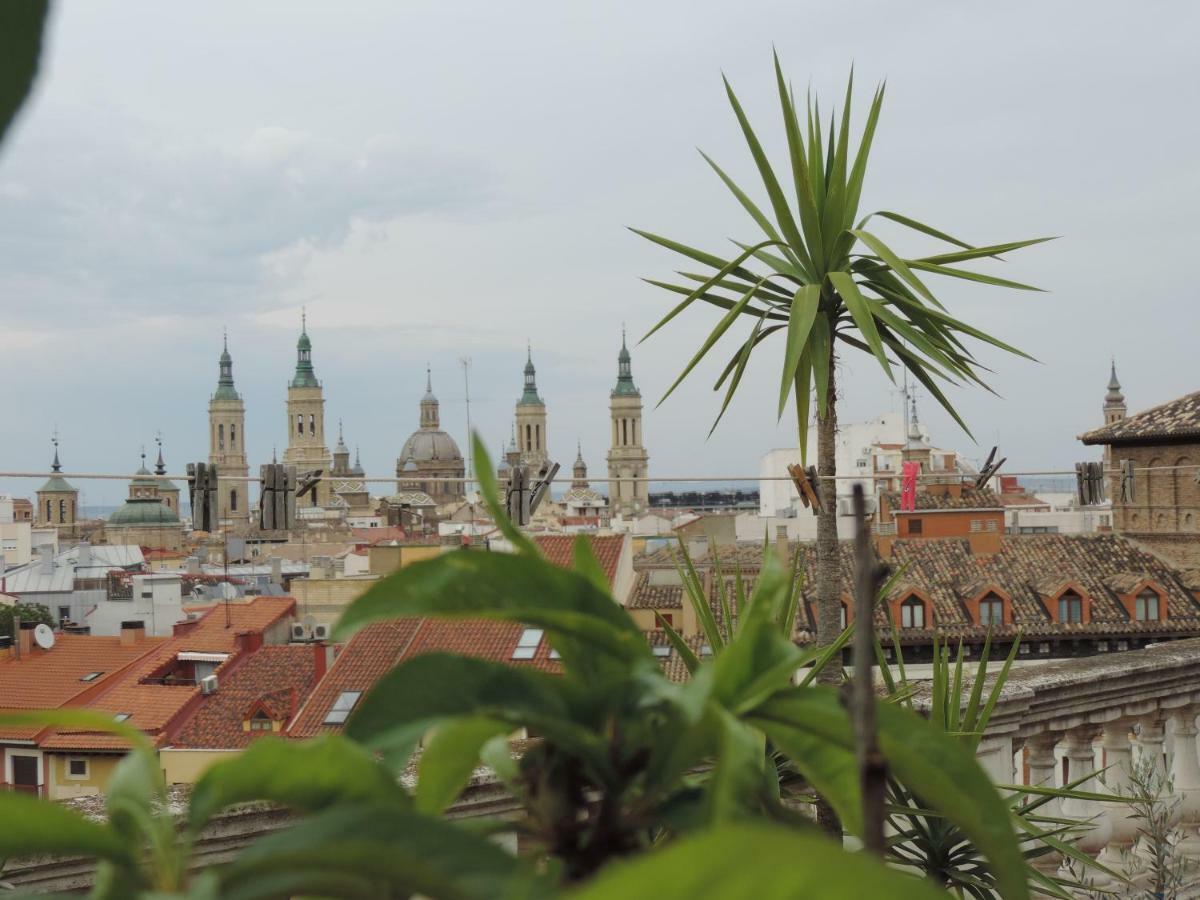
(208, 684)
(299, 631)
(320, 632)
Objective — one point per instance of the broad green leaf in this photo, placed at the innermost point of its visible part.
(427, 690)
(736, 784)
(584, 563)
(805, 306)
(21, 26)
(451, 754)
(830, 768)
(304, 775)
(371, 851)
(754, 861)
(34, 826)
(932, 764)
(698, 597)
(584, 622)
(860, 312)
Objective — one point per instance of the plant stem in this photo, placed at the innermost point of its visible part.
(872, 770)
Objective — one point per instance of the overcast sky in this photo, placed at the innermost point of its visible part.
(438, 180)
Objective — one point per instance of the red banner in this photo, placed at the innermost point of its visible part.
(908, 487)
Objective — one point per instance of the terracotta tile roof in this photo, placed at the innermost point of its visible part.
(969, 499)
(608, 548)
(279, 678)
(379, 647)
(51, 678)
(1028, 568)
(672, 665)
(1174, 420)
(1031, 567)
(363, 661)
(646, 595)
(156, 708)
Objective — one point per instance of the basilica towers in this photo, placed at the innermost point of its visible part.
(306, 448)
(628, 459)
(226, 444)
(531, 420)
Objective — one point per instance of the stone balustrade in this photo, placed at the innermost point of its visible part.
(1073, 719)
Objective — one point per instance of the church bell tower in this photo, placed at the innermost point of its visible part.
(226, 444)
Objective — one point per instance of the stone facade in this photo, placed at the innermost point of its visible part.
(1161, 508)
(57, 499)
(226, 445)
(627, 459)
(306, 449)
(531, 422)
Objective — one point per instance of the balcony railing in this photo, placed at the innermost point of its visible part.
(1102, 713)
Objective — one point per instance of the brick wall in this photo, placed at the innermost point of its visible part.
(1164, 503)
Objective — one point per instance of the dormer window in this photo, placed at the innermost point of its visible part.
(1070, 608)
(912, 613)
(528, 643)
(1146, 606)
(991, 610)
(260, 721)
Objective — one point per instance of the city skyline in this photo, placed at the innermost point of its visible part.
(425, 218)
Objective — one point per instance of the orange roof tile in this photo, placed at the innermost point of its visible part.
(281, 677)
(156, 708)
(558, 549)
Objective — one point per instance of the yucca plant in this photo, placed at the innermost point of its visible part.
(961, 705)
(818, 276)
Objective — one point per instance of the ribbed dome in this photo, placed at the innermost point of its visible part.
(143, 512)
(428, 445)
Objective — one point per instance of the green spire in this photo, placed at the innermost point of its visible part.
(305, 376)
(225, 388)
(56, 483)
(625, 385)
(530, 396)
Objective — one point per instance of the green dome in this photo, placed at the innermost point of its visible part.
(143, 512)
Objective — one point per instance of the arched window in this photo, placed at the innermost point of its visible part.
(528, 437)
(1070, 608)
(625, 432)
(1145, 606)
(49, 510)
(220, 437)
(312, 424)
(537, 436)
(299, 423)
(233, 500)
(232, 436)
(62, 511)
(991, 610)
(842, 616)
(912, 613)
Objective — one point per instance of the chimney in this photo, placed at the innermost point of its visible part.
(187, 626)
(192, 566)
(248, 641)
(277, 570)
(85, 555)
(132, 632)
(781, 546)
(25, 638)
(46, 559)
(322, 657)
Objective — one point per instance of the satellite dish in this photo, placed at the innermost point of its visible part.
(43, 635)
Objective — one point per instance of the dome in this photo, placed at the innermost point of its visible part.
(143, 512)
(429, 445)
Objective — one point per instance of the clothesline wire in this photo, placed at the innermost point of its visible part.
(888, 475)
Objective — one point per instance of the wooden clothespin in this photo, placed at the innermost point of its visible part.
(307, 483)
(989, 470)
(1127, 486)
(805, 481)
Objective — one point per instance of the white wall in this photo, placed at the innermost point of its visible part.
(16, 543)
(157, 601)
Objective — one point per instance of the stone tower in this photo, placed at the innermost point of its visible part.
(306, 448)
(627, 459)
(1114, 411)
(226, 444)
(168, 491)
(57, 499)
(579, 477)
(531, 420)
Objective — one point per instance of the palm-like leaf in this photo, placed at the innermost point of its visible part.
(817, 268)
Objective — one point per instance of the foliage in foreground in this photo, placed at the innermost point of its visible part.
(623, 761)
